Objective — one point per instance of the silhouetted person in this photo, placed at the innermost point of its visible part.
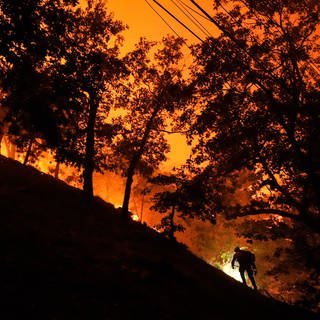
(246, 260)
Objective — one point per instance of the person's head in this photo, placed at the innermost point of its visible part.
(236, 249)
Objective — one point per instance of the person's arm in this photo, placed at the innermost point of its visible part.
(233, 261)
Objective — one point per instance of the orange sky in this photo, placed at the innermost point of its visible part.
(143, 21)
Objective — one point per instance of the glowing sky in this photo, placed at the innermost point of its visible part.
(143, 21)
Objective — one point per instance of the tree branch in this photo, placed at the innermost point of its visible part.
(174, 132)
(312, 222)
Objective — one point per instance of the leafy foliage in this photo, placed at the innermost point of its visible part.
(258, 90)
(256, 125)
(32, 41)
(185, 198)
(59, 61)
(90, 69)
(147, 104)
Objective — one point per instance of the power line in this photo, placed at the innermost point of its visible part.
(191, 18)
(179, 21)
(225, 31)
(188, 7)
(232, 38)
(248, 67)
(163, 19)
(198, 13)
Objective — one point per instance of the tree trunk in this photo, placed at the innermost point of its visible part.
(28, 153)
(89, 153)
(56, 170)
(127, 191)
(311, 221)
(172, 226)
(134, 161)
(1, 137)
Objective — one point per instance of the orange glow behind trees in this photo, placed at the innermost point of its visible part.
(143, 21)
(251, 112)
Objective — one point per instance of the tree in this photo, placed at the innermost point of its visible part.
(258, 92)
(257, 122)
(31, 34)
(151, 96)
(184, 197)
(168, 200)
(58, 61)
(140, 192)
(91, 67)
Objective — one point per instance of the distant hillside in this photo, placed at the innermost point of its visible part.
(63, 260)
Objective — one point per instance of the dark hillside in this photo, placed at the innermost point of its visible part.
(62, 260)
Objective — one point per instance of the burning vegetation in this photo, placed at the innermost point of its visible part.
(247, 105)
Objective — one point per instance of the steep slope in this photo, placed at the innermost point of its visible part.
(62, 259)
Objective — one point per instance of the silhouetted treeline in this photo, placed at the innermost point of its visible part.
(249, 105)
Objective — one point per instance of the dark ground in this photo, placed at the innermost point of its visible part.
(62, 260)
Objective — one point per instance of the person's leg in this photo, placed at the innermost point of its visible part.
(241, 270)
(251, 277)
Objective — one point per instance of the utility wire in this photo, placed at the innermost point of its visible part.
(179, 21)
(248, 67)
(198, 13)
(254, 40)
(236, 42)
(163, 19)
(192, 19)
(233, 39)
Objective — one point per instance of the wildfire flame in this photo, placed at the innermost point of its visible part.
(234, 273)
(135, 217)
